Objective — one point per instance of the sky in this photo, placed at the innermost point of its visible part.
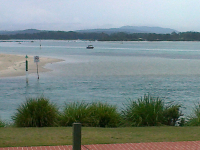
(71, 15)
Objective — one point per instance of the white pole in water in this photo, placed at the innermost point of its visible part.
(37, 70)
(26, 69)
(36, 60)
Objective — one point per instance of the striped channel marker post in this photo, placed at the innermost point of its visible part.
(26, 68)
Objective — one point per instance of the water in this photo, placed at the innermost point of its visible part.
(112, 72)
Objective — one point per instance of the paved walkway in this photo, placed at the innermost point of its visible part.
(189, 145)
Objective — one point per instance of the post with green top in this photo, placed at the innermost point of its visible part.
(76, 136)
(26, 68)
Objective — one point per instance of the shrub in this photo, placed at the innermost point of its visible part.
(171, 114)
(103, 115)
(36, 112)
(2, 124)
(75, 112)
(149, 111)
(194, 120)
(94, 115)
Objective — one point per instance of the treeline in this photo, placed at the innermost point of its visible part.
(54, 35)
(121, 36)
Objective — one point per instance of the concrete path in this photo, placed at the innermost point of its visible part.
(188, 145)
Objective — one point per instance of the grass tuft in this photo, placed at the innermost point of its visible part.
(75, 112)
(36, 112)
(171, 114)
(2, 124)
(95, 114)
(194, 120)
(149, 111)
(104, 115)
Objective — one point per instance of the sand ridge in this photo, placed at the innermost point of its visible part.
(14, 65)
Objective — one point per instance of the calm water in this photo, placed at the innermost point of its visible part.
(112, 72)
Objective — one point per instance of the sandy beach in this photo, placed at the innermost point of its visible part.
(14, 65)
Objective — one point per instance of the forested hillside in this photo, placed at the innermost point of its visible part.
(121, 36)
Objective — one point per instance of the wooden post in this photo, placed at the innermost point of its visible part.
(76, 136)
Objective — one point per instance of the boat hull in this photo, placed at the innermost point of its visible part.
(90, 47)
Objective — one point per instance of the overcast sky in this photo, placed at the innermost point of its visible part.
(181, 15)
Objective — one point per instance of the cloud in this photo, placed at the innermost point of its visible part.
(79, 14)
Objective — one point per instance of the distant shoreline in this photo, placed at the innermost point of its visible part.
(103, 36)
(21, 41)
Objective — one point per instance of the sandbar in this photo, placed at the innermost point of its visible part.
(15, 65)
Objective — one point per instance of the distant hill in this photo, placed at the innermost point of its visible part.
(126, 29)
(131, 29)
(28, 31)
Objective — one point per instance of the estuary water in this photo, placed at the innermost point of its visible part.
(112, 72)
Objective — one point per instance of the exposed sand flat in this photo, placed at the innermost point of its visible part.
(14, 65)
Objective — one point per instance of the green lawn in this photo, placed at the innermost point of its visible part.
(10, 137)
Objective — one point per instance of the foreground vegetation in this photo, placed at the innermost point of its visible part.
(146, 111)
(94, 114)
(194, 120)
(150, 111)
(63, 135)
(2, 124)
(38, 112)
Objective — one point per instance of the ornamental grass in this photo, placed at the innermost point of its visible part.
(149, 111)
(75, 112)
(94, 114)
(194, 120)
(2, 124)
(36, 112)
